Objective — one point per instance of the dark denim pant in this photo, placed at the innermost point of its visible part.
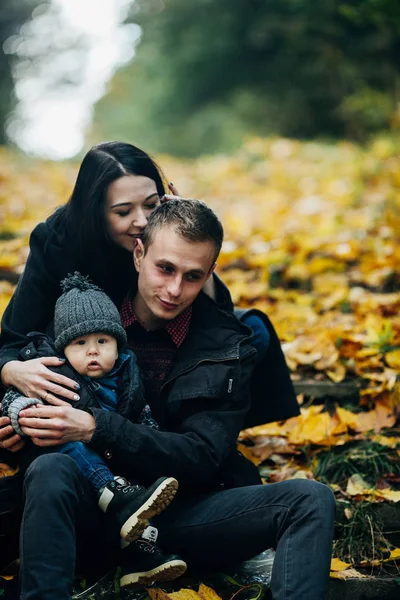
(209, 531)
(261, 337)
(92, 466)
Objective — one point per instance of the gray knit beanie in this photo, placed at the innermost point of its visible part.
(84, 308)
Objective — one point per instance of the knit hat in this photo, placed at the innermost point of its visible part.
(84, 308)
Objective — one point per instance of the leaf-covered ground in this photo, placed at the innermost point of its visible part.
(312, 238)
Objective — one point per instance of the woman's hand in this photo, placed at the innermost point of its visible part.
(34, 380)
(8, 439)
(174, 196)
(54, 425)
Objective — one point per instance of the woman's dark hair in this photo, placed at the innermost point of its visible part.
(83, 214)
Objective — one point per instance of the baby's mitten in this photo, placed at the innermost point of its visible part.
(12, 404)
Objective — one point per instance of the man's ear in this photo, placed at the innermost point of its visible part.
(138, 254)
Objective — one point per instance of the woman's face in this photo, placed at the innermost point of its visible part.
(129, 202)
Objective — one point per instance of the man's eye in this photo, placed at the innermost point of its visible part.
(193, 277)
(165, 268)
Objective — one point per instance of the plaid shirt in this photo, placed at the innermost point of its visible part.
(155, 350)
(177, 328)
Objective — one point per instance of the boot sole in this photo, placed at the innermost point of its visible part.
(154, 505)
(166, 572)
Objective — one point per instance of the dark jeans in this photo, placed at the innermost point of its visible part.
(92, 466)
(261, 337)
(209, 531)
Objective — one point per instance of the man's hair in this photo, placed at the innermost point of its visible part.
(193, 220)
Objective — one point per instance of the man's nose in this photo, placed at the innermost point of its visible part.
(175, 287)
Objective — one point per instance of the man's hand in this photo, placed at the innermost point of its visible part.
(55, 425)
(8, 439)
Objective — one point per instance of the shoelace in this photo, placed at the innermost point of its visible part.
(123, 485)
(129, 488)
(147, 547)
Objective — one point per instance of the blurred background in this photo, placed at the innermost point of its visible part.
(193, 77)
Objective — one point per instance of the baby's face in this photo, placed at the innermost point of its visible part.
(93, 354)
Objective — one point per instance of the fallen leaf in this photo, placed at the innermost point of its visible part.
(356, 485)
(339, 565)
(207, 593)
(7, 471)
(348, 574)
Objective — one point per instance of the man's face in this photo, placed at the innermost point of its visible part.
(171, 275)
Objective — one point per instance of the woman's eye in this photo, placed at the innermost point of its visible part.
(152, 206)
(123, 213)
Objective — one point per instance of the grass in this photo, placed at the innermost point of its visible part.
(361, 537)
(369, 459)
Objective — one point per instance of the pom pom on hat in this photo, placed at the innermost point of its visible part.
(79, 281)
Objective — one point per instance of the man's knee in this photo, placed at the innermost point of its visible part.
(316, 496)
(51, 471)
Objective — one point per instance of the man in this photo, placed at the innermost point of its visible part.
(196, 362)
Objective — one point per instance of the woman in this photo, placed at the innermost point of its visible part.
(117, 188)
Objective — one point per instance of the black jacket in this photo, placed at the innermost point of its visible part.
(131, 399)
(53, 255)
(203, 405)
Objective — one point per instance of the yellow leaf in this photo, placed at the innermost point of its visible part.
(394, 554)
(384, 440)
(339, 565)
(391, 495)
(157, 594)
(207, 593)
(393, 359)
(356, 485)
(246, 451)
(337, 373)
(184, 594)
(347, 417)
(382, 416)
(6, 470)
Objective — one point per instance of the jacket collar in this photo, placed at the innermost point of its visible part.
(214, 335)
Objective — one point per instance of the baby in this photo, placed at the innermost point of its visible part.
(89, 333)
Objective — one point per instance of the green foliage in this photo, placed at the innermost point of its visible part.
(208, 72)
(13, 14)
